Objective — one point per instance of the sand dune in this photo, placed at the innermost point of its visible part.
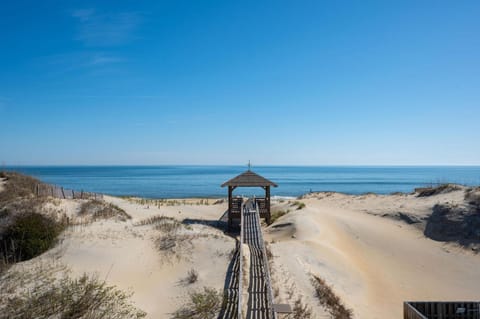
(126, 256)
(363, 246)
(374, 263)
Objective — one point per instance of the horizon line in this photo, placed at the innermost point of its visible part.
(241, 165)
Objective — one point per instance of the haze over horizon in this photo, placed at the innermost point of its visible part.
(276, 82)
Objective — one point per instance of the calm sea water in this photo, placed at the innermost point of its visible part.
(204, 181)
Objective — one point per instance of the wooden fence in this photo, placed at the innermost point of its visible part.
(60, 192)
(441, 310)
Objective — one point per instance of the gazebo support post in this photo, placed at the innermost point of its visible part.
(267, 203)
(230, 191)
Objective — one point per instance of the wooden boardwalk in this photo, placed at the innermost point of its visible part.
(259, 304)
(260, 297)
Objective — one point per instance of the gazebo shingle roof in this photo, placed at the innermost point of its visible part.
(249, 179)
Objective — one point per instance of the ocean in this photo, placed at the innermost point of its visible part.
(169, 181)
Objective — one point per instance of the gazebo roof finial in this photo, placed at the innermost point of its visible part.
(249, 165)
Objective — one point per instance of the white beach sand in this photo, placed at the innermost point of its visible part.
(373, 263)
(372, 259)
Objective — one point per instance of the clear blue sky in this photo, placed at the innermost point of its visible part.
(224, 82)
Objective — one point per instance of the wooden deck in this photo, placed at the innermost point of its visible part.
(441, 310)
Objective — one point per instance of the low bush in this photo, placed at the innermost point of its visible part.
(29, 235)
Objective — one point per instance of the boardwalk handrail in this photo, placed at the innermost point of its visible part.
(240, 270)
(410, 312)
(441, 309)
(273, 314)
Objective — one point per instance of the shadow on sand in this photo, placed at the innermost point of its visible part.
(230, 287)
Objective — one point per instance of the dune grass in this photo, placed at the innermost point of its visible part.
(330, 300)
(435, 190)
(472, 196)
(299, 205)
(192, 276)
(204, 304)
(300, 310)
(52, 296)
(17, 186)
(276, 214)
(99, 209)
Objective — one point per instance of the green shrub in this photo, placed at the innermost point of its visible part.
(29, 235)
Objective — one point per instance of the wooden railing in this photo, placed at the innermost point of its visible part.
(441, 310)
(410, 312)
(272, 313)
(240, 270)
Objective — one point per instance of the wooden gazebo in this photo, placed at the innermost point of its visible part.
(248, 179)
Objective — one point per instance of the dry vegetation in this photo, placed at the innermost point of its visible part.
(173, 202)
(472, 196)
(17, 186)
(155, 220)
(30, 227)
(298, 205)
(330, 300)
(96, 209)
(435, 190)
(300, 311)
(42, 293)
(204, 304)
(192, 277)
(276, 214)
(174, 238)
